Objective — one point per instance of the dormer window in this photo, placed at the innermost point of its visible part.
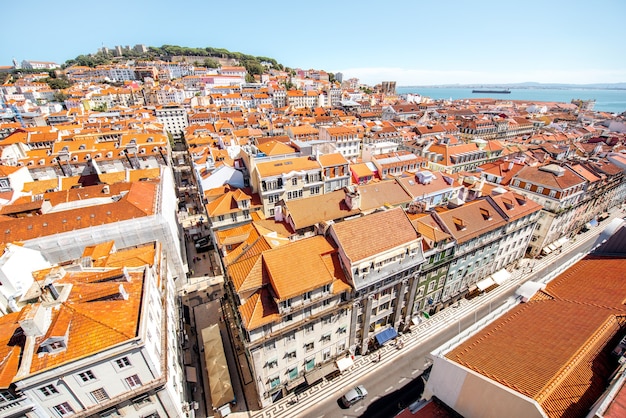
(459, 223)
(485, 214)
(53, 346)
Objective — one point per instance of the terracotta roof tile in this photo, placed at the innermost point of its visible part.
(258, 310)
(328, 206)
(551, 349)
(373, 234)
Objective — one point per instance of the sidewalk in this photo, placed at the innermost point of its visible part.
(291, 406)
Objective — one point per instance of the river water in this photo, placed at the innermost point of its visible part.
(613, 101)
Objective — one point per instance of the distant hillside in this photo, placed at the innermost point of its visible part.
(531, 85)
(208, 57)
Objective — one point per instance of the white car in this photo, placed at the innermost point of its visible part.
(353, 396)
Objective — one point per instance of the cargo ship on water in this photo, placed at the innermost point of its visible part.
(503, 91)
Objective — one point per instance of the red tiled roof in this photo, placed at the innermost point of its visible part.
(554, 348)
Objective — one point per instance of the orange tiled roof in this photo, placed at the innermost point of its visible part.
(139, 201)
(380, 231)
(274, 168)
(259, 310)
(301, 266)
(333, 159)
(328, 206)
(551, 349)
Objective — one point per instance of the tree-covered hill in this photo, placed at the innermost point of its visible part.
(254, 65)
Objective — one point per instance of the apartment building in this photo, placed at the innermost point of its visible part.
(347, 139)
(454, 157)
(290, 309)
(99, 337)
(335, 172)
(173, 118)
(300, 99)
(286, 179)
(397, 163)
(490, 233)
(557, 188)
(232, 208)
(60, 224)
(381, 254)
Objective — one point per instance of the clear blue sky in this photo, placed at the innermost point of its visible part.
(412, 42)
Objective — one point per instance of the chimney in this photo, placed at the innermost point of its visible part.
(32, 320)
(353, 198)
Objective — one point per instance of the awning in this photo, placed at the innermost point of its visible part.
(559, 242)
(318, 373)
(386, 335)
(220, 385)
(294, 383)
(485, 283)
(593, 222)
(546, 251)
(528, 290)
(501, 276)
(552, 247)
(344, 363)
(191, 374)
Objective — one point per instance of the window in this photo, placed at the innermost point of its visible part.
(310, 364)
(64, 409)
(99, 395)
(307, 296)
(55, 346)
(309, 346)
(122, 362)
(341, 330)
(326, 338)
(272, 363)
(291, 336)
(270, 346)
(87, 376)
(6, 396)
(291, 355)
(308, 328)
(294, 181)
(293, 373)
(109, 413)
(48, 390)
(274, 381)
(539, 189)
(133, 381)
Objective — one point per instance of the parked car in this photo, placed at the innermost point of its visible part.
(203, 244)
(353, 396)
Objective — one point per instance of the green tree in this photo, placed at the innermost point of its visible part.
(211, 63)
(57, 83)
(60, 96)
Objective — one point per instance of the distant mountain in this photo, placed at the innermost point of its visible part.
(531, 85)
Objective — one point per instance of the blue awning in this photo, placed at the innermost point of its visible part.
(386, 335)
(593, 222)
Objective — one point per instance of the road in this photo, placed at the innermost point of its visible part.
(396, 382)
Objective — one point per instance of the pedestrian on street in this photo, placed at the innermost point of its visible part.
(378, 357)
